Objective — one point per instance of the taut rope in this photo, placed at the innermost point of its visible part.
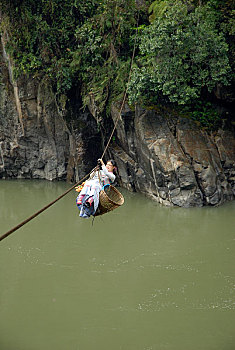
(44, 208)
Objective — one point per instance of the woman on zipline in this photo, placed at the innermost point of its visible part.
(88, 199)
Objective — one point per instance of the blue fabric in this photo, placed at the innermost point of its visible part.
(92, 189)
(103, 188)
(86, 212)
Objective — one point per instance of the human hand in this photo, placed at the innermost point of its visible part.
(99, 165)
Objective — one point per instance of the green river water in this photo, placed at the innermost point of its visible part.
(144, 277)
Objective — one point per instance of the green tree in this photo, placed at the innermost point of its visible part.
(182, 54)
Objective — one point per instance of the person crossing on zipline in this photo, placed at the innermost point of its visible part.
(88, 199)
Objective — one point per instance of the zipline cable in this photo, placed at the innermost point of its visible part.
(44, 208)
(78, 183)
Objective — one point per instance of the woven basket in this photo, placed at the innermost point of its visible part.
(109, 199)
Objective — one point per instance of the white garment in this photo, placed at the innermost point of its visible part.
(104, 175)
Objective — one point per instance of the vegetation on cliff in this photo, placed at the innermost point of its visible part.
(184, 50)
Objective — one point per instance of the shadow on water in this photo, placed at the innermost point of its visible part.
(142, 277)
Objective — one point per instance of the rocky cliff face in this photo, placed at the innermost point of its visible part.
(36, 140)
(172, 160)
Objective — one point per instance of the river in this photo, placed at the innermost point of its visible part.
(144, 277)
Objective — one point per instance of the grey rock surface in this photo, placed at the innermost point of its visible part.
(172, 160)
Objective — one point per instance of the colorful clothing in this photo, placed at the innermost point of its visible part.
(91, 190)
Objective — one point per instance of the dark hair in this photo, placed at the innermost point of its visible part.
(112, 161)
(114, 164)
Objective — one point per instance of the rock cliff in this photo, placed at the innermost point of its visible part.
(173, 161)
(38, 138)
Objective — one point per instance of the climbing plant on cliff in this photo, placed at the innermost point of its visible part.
(41, 35)
(67, 42)
(101, 57)
(182, 54)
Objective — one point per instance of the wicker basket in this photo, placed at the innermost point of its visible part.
(109, 199)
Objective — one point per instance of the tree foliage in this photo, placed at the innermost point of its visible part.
(67, 42)
(103, 47)
(182, 54)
